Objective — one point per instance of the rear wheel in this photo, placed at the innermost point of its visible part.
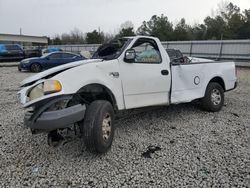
(98, 126)
(35, 67)
(213, 100)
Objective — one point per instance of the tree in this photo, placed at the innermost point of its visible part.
(245, 29)
(181, 31)
(56, 40)
(215, 27)
(198, 32)
(65, 38)
(94, 37)
(127, 29)
(234, 21)
(158, 26)
(76, 37)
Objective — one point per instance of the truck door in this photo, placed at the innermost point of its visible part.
(146, 80)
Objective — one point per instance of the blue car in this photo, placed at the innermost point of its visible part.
(48, 61)
(51, 49)
(11, 52)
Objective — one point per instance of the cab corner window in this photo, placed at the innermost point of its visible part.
(147, 51)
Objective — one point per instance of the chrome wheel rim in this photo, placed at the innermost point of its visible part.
(106, 127)
(216, 97)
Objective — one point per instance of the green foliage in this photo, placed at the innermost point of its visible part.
(94, 37)
(182, 31)
(157, 26)
(215, 27)
(244, 32)
(126, 32)
(198, 32)
(229, 23)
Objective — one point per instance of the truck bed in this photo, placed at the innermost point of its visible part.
(189, 80)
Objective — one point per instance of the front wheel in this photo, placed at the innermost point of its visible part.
(98, 126)
(35, 67)
(213, 100)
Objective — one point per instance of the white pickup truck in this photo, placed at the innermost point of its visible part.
(130, 72)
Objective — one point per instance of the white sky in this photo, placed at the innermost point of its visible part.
(48, 17)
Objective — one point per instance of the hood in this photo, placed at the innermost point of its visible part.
(57, 69)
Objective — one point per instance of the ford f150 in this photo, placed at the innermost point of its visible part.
(126, 73)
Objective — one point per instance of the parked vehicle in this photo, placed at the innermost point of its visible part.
(33, 53)
(51, 49)
(131, 72)
(11, 52)
(48, 61)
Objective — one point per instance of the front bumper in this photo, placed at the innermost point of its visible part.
(53, 120)
(23, 66)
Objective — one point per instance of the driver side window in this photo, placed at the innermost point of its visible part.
(55, 56)
(147, 51)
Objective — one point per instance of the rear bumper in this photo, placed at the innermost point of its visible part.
(53, 120)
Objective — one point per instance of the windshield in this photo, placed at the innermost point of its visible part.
(111, 50)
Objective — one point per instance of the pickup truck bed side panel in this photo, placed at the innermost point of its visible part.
(189, 81)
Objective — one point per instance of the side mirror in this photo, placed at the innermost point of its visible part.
(130, 56)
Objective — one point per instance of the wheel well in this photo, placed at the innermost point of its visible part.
(220, 81)
(92, 92)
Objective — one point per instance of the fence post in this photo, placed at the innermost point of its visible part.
(220, 52)
(191, 48)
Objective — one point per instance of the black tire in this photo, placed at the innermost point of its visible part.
(35, 67)
(95, 138)
(213, 100)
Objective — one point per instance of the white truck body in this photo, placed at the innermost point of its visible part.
(127, 73)
(138, 85)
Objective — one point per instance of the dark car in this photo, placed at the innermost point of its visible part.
(48, 61)
(11, 52)
(33, 53)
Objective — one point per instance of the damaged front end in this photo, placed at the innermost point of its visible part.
(54, 115)
(50, 108)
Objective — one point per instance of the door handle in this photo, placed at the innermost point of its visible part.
(164, 72)
(114, 74)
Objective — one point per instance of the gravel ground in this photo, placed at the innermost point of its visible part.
(198, 149)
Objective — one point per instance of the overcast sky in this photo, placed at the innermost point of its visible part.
(48, 17)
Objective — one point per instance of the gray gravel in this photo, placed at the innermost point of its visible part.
(198, 149)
